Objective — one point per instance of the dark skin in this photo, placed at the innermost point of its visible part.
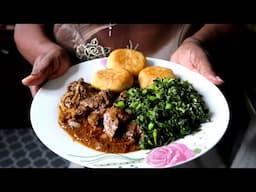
(50, 60)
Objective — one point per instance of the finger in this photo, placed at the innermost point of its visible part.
(203, 69)
(43, 62)
(215, 79)
(34, 79)
(206, 70)
(208, 73)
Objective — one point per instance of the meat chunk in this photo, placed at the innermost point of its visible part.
(133, 133)
(99, 101)
(110, 122)
(113, 118)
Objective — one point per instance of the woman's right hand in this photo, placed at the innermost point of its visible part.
(52, 63)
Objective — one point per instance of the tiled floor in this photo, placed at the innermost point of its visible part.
(20, 148)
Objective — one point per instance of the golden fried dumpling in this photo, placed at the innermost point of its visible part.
(114, 79)
(148, 74)
(131, 60)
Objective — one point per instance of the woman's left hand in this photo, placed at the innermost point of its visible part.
(191, 55)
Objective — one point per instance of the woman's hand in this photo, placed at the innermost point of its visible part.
(191, 55)
(53, 62)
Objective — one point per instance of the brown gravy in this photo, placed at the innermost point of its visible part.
(97, 140)
(89, 117)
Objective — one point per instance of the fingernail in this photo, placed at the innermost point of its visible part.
(219, 79)
(26, 78)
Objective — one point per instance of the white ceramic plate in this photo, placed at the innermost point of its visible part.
(44, 119)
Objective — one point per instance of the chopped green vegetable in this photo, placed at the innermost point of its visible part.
(150, 125)
(167, 110)
(120, 104)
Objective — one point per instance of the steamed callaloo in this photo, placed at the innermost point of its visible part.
(167, 110)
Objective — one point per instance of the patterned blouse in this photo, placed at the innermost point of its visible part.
(90, 41)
